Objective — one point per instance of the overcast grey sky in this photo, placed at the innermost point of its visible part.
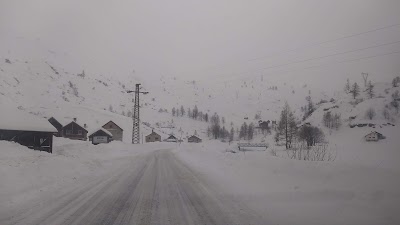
(208, 37)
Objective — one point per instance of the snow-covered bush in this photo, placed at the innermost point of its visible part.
(321, 152)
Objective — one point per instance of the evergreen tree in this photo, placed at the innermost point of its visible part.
(396, 81)
(250, 131)
(182, 111)
(195, 112)
(173, 111)
(309, 108)
(206, 117)
(370, 90)
(215, 126)
(232, 134)
(355, 90)
(347, 87)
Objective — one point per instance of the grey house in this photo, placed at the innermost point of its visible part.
(153, 137)
(115, 130)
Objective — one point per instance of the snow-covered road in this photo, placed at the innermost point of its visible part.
(150, 188)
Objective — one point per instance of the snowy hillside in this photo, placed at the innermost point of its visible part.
(49, 83)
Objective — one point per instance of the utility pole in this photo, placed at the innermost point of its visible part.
(136, 118)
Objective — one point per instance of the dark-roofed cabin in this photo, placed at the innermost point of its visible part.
(374, 136)
(71, 130)
(153, 137)
(25, 129)
(171, 138)
(115, 130)
(100, 136)
(74, 131)
(194, 139)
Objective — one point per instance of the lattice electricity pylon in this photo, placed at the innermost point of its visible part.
(136, 117)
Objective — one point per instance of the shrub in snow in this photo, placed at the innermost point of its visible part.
(74, 88)
(396, 81)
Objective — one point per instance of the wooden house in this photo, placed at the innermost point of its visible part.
(153, 137)
(374, 136)
(70, 129)
(194, 139)
(26, 129)
(101, 135)
(115, 130)
(171, 138)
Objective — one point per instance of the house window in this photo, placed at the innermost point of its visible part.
(79, 132)
(69, 131)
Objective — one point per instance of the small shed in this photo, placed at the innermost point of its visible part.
(374, 136)
(26, 129)
(171, 138)
(100, 136)
(153, 137)
(115, 130)
(194, 139)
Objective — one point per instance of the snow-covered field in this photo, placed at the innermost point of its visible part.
(360, 187)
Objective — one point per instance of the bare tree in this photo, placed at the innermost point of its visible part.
(287, 127)
(311, 135)
(386, 114)
(370, 114)
(365, 78)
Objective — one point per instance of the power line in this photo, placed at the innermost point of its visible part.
(303, 47)
(339, 62)
(324, 56)
(329, 41)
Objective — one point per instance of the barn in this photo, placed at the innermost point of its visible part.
(69, 129)
(28, 130)
(153, 137)
(101, 135)
(115, 130)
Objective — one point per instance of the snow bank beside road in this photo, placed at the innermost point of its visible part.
(297, 192)
(26, 174)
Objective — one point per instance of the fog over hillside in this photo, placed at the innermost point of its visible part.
(212, 39)
(264, 112)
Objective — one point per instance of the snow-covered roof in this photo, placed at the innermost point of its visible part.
(152, 133)
(102, 129)
(15, 119)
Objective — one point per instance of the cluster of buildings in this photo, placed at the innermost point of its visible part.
(75, 131)
(154, 137)
(37, 133)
